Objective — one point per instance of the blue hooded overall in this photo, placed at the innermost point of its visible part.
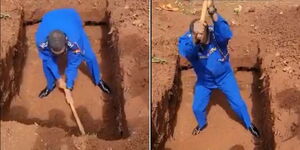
(213, 69)
(78, 46)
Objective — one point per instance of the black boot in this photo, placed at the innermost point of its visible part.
(45, 92)
(197, 130)
(254, 131)
(104, 87)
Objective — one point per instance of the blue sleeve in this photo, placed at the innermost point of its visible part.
(186, 47)
(74, 60)
(66, 20)
(222, 31)
(49, 61)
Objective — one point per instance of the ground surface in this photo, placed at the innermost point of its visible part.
(280, 47)
(266, 30)
(119, 121)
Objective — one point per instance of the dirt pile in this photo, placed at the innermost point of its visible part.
(35, 137)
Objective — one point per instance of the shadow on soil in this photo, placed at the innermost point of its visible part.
(258, 100)
(53, 139)
(114, 118)
(56, 118)
(218, 98)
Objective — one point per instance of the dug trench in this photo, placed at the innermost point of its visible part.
(224, 130)
(100, 114)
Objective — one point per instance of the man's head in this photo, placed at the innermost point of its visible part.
(200, 31)
(57, 42)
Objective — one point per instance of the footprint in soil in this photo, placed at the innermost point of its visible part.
(289, 99)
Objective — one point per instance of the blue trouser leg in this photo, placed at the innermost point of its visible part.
(91, 60)
(230, 88)
(201, 99)
(49, 76)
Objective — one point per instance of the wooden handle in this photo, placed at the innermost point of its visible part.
(71, 102)
(204, 10)
(77, 119)
(209, 3)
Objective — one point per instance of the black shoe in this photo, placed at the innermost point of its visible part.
(45, 92)
(197, 130)
(254, 131)
(104, 87)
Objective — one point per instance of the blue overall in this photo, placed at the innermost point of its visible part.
(78, 46)
(213, 69)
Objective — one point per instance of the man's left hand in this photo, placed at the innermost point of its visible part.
(61, 84)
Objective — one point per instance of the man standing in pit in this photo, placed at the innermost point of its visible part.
(61, 33)
(205, 47)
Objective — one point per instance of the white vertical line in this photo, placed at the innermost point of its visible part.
(150, 69)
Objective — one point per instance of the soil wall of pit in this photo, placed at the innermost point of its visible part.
(279, 43)
(129, 32)
(164, 109)
(89, 10)
(13, 51)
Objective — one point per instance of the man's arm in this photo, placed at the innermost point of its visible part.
(187, 47)
(74, 60)
(221, 28)
(49, 61)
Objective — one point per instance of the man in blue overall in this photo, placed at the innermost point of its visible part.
(61, 32)
(205, 47)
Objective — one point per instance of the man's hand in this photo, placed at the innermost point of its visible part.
(212, 10)
(200, 32)
(61, 83)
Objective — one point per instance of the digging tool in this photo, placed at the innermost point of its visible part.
(203, 11)
(71, 104)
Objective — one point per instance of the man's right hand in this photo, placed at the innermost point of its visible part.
(61, 83)
(212, 11)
